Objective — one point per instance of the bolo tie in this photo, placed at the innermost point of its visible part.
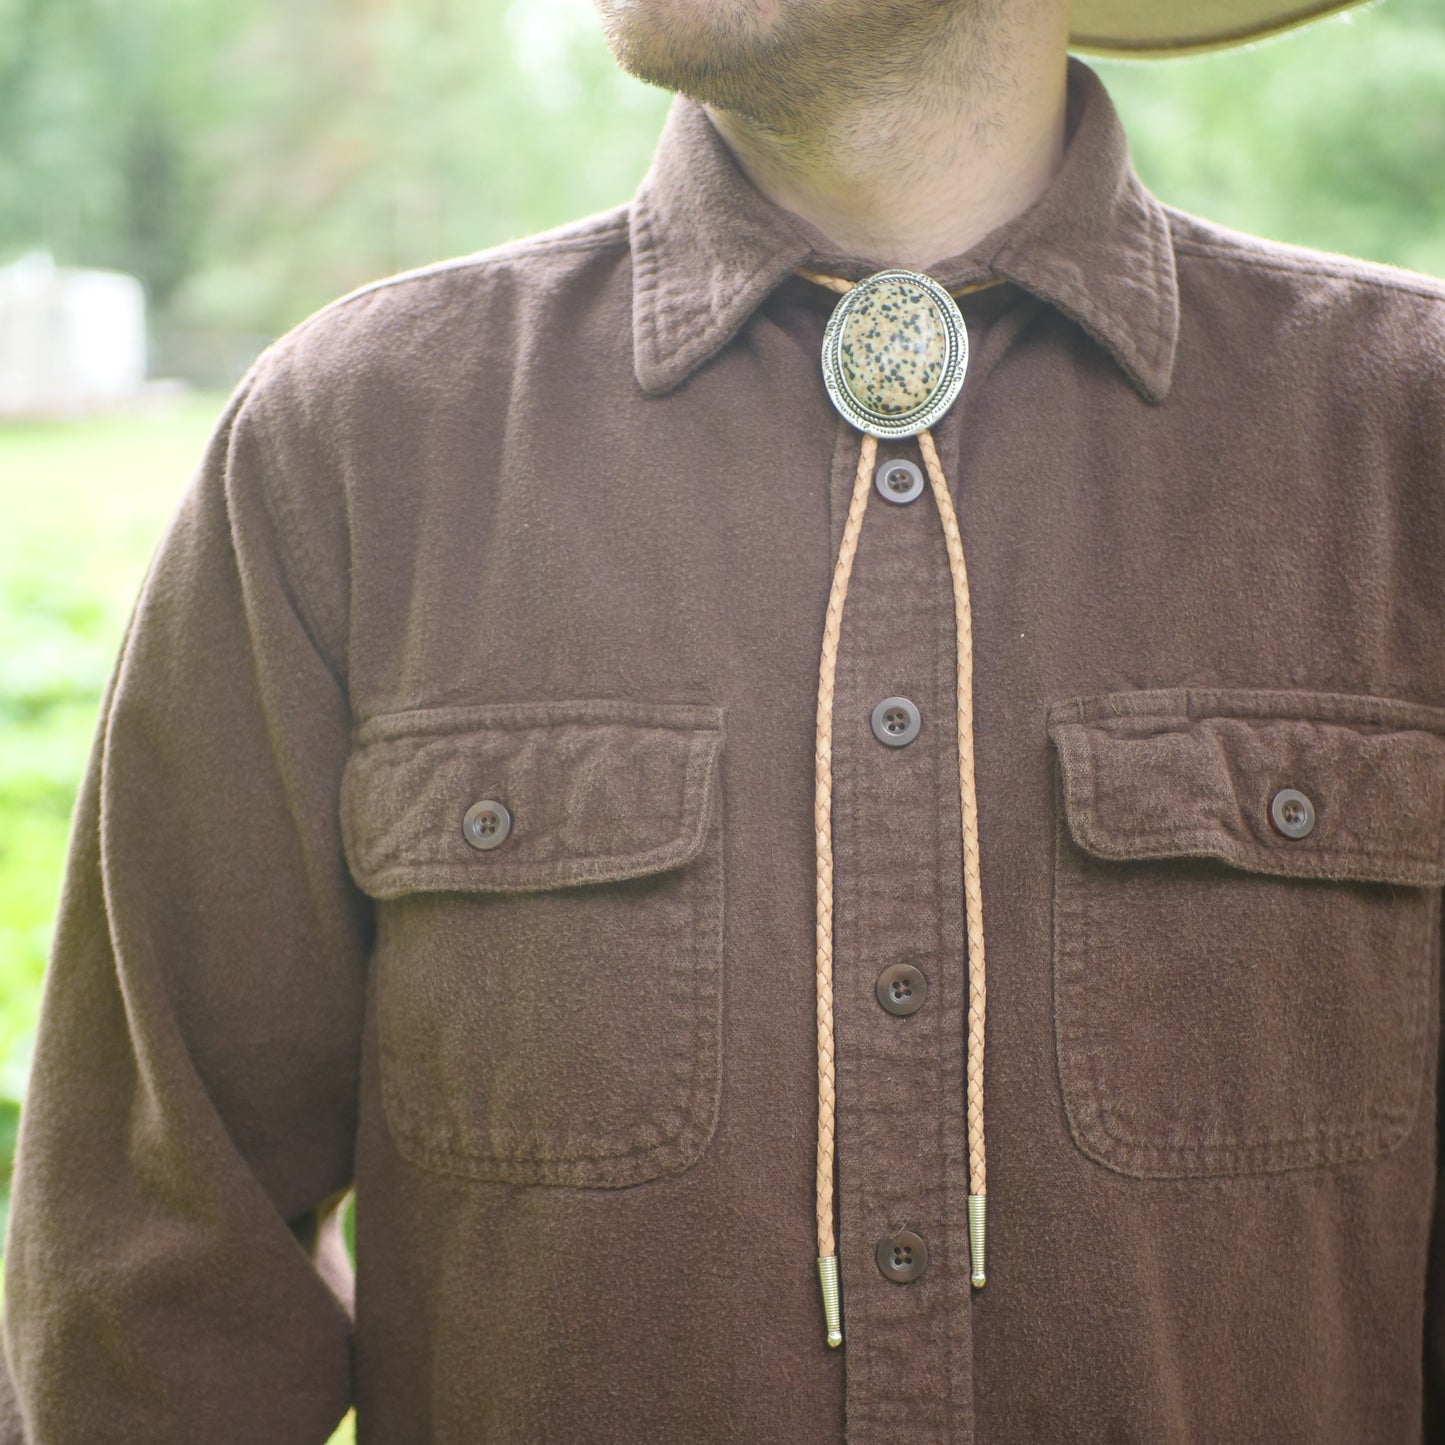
(894, 356)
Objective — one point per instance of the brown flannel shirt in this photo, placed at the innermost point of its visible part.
(553, 526)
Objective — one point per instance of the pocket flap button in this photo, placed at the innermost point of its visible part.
(1292, 813)
(487, 824)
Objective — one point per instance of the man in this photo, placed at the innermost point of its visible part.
(561, 774)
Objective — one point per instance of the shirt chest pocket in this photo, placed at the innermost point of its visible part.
(549, 1007)
(1243, 976)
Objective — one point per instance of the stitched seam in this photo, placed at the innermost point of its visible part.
(1231, 850)
(1084, 311)
(649, 281)
(1079, 1063)
(646, 268)
(1369, 1136)
(560, 870)
(1257, 857)
(484, 260)
(502, 717)
(1083, 1062)
(685, 304)
(702, 896)
(272, 510)
(1223, 252)
(1282, 705)
(534, 1168)
(1369, 1128)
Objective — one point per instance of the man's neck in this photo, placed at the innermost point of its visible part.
(913, 172)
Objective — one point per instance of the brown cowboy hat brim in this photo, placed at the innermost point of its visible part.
(1153, 27)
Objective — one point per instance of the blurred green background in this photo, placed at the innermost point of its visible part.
(250, 161)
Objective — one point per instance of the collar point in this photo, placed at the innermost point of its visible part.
(654, 378)
(659, 372)
(1154, 388)
(1152, 376)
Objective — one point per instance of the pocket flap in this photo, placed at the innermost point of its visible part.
(597, 790)
(1191, 772)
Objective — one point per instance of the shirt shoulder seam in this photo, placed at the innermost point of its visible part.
(606, 235)
(1307, 266)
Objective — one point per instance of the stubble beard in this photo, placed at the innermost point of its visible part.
(787, 66)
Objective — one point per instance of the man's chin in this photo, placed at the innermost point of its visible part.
(769, 61)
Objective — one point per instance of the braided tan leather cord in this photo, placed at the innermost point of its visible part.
(823, 812)
(968, 799)
(823, 832)
(831, 283)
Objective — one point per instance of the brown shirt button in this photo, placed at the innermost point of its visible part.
(901, 989)
(898, 481)
(1292, 813)
(896, 721)
(902, 1257)
(487, 824)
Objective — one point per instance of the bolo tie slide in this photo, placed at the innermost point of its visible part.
(894, 357)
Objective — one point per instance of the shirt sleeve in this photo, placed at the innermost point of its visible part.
(174, 1269)
(1433, 1432)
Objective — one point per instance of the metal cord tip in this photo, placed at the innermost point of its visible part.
(832, 1306)
(977, 1232)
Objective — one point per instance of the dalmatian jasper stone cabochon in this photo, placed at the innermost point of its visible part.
(895, 353)
(893, 349)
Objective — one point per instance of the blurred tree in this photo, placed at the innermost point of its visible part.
(393, 134)
(251, 161)
(1332, 137)
(103, 112)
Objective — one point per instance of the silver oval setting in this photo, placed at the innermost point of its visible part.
(895, 353)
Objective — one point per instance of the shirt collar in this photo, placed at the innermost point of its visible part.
(708, 248)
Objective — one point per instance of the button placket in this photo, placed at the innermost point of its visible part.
(898, 891)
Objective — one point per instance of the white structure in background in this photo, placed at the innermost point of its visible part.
(70, 341)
